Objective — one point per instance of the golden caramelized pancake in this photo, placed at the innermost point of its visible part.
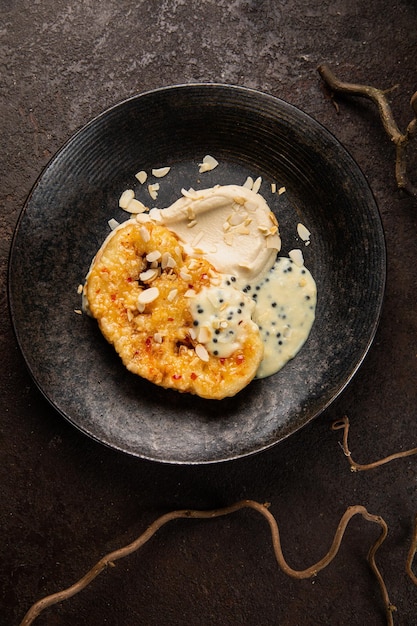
(146, 292)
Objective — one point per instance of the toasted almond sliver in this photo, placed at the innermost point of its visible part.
(135, 206)
(204, 335)
(145, 234)
(125, 198)
(172, 295)
(153, 256)
(257, 184)
(113, 223)
(149, 275)
(185, 275)
(201, 352)
(297, 257)
(281, 190)
(303, 232)
(159, 172)
(141, 176)
(208, 164)
(148, 295)
(153, 190)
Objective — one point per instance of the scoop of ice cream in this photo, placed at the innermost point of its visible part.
(232, 226)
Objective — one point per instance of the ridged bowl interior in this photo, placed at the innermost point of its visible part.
(64, 221)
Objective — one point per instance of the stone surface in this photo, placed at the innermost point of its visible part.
(66, 500)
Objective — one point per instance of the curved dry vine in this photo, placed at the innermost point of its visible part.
(379, 97)
(112, 557)
(343, 424)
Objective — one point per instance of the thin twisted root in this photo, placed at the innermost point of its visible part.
(378, 97)
(343, 424)
(112, 557)
(411, 553)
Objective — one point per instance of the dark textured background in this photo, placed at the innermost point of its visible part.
(65, 500)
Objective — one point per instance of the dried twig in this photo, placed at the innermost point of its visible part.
(110, 558)
(411, 553)
(359, 467)
(378, 96)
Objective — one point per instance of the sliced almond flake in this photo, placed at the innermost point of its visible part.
(153, 256)
(125, 198)
(257, 184)
(204, 334)
(239, 200)
(190, 212)
(273, 187)
(297, 257)
(273, 218)
(273, 242)
(113, 223)
(141, 307)
(78, 311)
(281, 190)
(252, 206)
(142, 218)
(192, 333)
(145, 234)
(201, 352)
(185, 275)
(208, 164)
(155, 214)
(243, 230)
(189, 193)
(153, 190)
(167, 261)
(197, 239)
(190, 293)
(172, 295)
(192, 264)
(148, 275)
(303, 232)
(148, 295)
(136, 206)
(80, 289)
(141, 176)
(160, 172)
(248, 183)
(236, 218)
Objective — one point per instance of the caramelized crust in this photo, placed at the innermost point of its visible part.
(139, 289)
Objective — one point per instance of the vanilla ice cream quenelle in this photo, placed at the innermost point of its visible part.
(234, 229)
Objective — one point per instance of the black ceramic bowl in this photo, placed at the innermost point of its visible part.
(64, 221)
